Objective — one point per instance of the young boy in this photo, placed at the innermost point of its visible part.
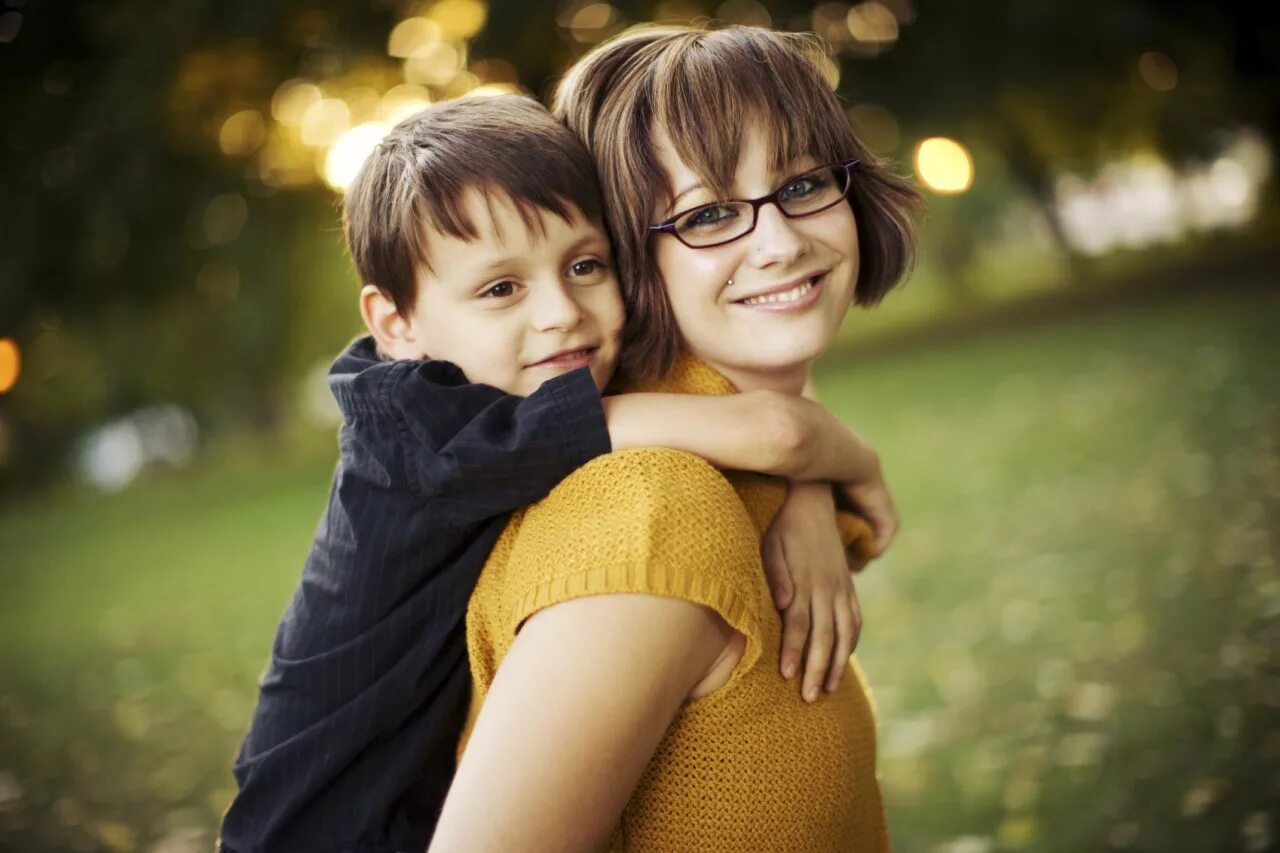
(494, 320)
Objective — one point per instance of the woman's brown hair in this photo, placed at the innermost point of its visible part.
(700, 87)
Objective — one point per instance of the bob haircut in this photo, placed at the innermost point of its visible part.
(699, 86)
(412, 183)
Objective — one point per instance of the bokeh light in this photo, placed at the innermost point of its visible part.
(944, 165)
(224, 218)
(362, 103)
(400, 102)
(490, 89)
(10, 364)
(324, 121)
(411, 35)
(242, 133)
(292, 99)
(873, 24)
(343, 162)
(1158, 71)
(434, 64)
(593, 22)
(459, 19)
(828, 20)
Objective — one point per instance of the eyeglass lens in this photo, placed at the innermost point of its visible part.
(802, 195)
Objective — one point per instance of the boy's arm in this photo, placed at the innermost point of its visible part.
(475, 452)
(809, 570)
(765, 431)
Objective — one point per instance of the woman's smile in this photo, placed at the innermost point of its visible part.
(786, 298)
(762, 307)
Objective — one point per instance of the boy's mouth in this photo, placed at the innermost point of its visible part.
(569, 359)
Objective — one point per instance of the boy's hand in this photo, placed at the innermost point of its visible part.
(871, 499)
(808, 573)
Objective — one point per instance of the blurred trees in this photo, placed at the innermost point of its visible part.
(140, 262)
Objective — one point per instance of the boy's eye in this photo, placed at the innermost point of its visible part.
(501, 290)
(587, 266)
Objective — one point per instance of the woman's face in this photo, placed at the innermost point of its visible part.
(764, 306)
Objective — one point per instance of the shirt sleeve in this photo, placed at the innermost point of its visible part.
(660, 522)
(857, 535)
(474, 452)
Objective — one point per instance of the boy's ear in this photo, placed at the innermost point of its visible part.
(396, 335)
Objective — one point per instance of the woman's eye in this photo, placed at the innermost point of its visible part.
(501, 290)
(802, 186)
(711, 216)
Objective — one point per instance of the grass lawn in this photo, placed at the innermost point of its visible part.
(1075, 643)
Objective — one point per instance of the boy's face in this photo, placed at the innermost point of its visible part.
(513, 308)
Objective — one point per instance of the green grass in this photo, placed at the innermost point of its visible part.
(1074, 644)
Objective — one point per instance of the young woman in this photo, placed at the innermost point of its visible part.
(621, 633)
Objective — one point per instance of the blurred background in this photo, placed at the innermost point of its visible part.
(1075, 642)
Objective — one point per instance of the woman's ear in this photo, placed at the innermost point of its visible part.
(395, 334)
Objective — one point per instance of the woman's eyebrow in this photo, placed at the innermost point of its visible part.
(684, 192)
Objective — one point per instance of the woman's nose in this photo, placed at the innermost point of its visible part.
(554, 307)
(775, 239)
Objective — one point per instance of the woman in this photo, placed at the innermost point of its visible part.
(620, 631)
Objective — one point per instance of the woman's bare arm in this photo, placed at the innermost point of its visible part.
(575, 713)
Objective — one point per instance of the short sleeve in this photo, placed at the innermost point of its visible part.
(858, 537)
(660, 522)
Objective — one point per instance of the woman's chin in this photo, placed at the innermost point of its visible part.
(767, 361)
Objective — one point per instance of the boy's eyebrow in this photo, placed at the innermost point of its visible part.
(496, 264)
(587, 239)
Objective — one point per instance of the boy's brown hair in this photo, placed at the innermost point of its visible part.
(413, 183)
(700, 87)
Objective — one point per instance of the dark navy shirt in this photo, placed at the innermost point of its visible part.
(352, 743)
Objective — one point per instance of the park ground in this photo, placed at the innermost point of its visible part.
(1074, 644)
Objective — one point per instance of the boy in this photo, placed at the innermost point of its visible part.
(494, 320)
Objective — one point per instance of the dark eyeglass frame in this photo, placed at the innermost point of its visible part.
(669, 226)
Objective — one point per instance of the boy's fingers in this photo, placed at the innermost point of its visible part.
(794, 631)
(885, 525)
(876, 504)
(776, 572)
(821, 638)
(846, 640)
(856, 610)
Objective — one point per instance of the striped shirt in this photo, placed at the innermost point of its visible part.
(351, 745)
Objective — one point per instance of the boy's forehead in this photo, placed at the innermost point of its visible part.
(495, 226)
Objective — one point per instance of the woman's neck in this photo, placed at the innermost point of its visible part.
(788, 380)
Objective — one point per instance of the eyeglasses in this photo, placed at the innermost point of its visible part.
(725, 221)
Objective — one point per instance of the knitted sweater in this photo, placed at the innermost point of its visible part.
(750, 766)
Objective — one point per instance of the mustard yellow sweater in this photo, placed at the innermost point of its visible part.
(751, 766)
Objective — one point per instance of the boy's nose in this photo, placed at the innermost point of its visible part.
(554, 307)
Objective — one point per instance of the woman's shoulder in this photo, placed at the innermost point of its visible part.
(658, 522)
(641, 506)
(641, 483)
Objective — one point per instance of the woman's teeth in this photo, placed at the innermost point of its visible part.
(785, 296)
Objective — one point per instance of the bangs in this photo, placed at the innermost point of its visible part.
(441, 212)
(705, 94)
(700, 88)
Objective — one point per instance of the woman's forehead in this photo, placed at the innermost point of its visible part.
(754, 153)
